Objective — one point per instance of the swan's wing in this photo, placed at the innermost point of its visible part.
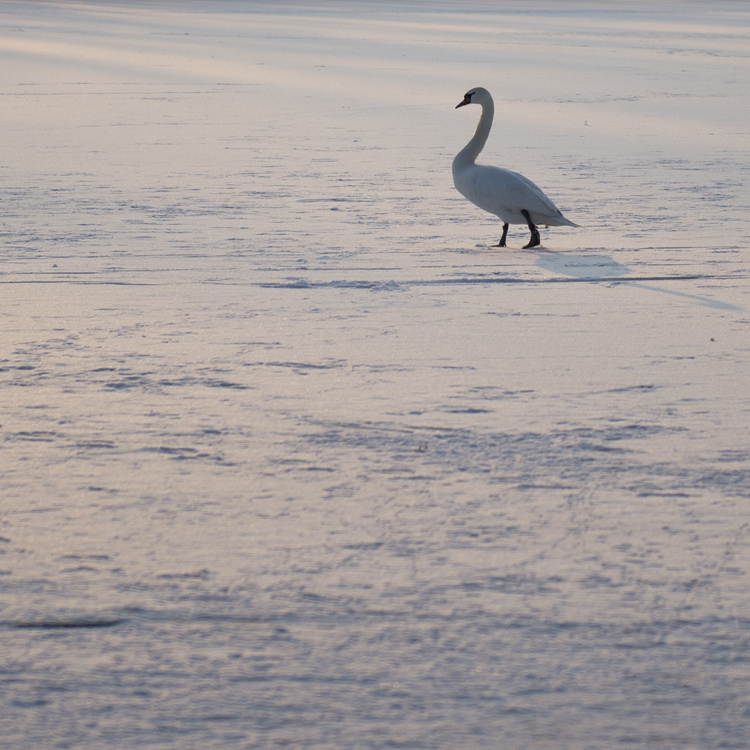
(506, 194)
(546, 212)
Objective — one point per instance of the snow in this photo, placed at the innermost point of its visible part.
(291, 455)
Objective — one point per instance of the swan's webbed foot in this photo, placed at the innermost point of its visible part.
(504, 237)
(535, 240)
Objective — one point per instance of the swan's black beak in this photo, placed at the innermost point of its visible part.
(467, 100)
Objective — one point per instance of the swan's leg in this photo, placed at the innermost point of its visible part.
(504, 237)
(535, 240)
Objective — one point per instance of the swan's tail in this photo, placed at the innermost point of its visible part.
(559, 221)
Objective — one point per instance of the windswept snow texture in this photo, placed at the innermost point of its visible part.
(291, 457)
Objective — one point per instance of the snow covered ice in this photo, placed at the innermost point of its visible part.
(292, 457)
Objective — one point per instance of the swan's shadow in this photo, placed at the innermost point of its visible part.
(605, 268)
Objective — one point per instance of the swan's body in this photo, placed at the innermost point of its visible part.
(509, 195)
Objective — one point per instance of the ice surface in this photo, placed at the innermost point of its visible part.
(292, 456)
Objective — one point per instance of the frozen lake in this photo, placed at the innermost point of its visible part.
(292, 457)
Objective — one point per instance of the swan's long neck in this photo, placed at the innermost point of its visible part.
(468, 154)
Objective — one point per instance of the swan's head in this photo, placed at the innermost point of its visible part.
(476, 96)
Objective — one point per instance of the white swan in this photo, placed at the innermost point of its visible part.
(509, 195)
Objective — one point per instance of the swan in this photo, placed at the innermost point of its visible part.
(509, 195)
